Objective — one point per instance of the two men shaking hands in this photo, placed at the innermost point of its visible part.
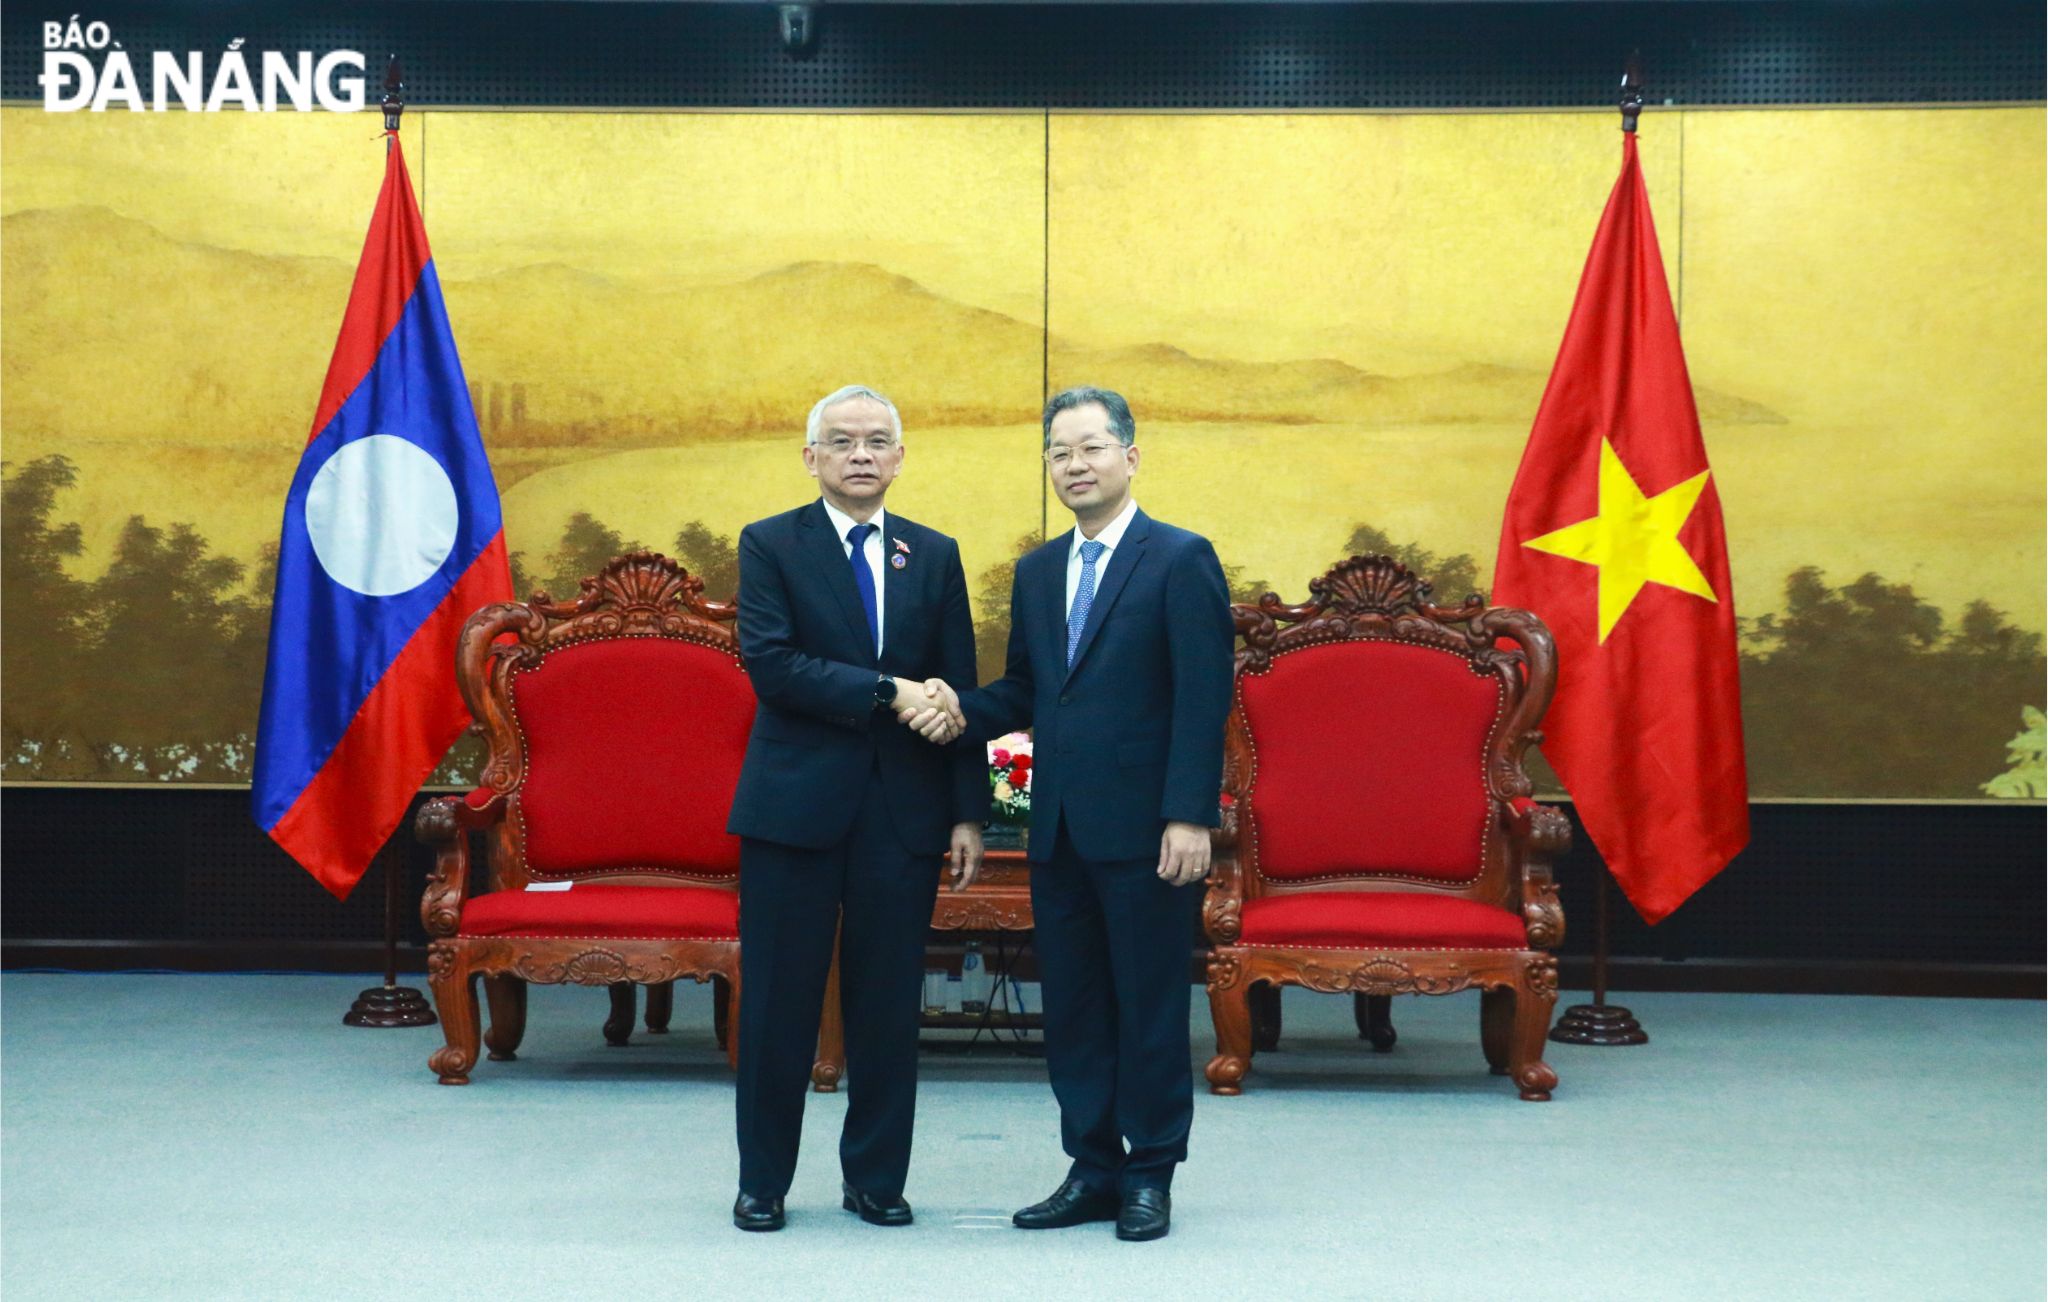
(866, 765)
(931, 709)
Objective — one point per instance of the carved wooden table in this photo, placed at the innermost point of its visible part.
(999, 900)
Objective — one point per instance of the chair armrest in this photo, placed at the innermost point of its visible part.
(1223, 904)
(445, 823)
(1538, 834)
(1224, 835)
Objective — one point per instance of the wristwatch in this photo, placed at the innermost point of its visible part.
(885, 691)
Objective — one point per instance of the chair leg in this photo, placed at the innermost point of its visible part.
(722, 1009)
(1496, 1027)
(1375, 1017)
(618, 1028)
(1230, 1010)
(725, 991)
(1264, 1000)
(1535, 999)
(661, 1006)
(461, 1020)
(829, 1068)
(506, 996)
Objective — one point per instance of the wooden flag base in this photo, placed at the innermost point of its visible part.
(1598, 1024)
(389, 1006)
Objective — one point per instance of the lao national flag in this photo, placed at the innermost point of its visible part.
(392, 538)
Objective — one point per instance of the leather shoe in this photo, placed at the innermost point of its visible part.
(751, 1213)
(873, 1210)
(1146, 1214)
(1073, 1203)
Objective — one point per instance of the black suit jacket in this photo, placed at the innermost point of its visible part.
(1131, 737)
(817, 732)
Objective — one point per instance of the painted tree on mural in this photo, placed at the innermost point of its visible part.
(992, 599)
(585, 546)
(148, 672)
(152, 670)
(1897, 701)
(44, 609)
(1451, 578)
(712, 557)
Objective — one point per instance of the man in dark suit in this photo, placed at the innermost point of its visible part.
(843, 815)
(1120, 658)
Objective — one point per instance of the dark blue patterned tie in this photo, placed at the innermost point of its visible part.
(864, 579)
(1084, 597)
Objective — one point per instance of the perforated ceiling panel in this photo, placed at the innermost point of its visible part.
(1223, 56)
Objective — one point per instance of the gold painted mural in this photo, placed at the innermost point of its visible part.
(1334, 330)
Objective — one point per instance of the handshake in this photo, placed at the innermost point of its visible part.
(931, 709)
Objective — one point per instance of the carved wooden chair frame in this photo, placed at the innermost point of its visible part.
(640, 594)
(1374, 598)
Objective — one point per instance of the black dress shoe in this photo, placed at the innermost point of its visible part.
(1073, 1203)
(873, 1210)
(751, 1213)
(1146, 1214)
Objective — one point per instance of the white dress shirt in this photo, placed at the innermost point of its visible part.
(1112, 534)
(842, 524)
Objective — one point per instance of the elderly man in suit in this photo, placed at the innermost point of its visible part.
(1120, 658)
(844, 816)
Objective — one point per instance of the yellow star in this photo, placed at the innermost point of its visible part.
(1634, 539)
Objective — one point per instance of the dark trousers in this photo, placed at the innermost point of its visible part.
(790, 902)
(1113, 943)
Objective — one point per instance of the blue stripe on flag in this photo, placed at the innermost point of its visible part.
(329, 645)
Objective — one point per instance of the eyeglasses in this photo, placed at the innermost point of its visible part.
(843, 446)
(1060, 456)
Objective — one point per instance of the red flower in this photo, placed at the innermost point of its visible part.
(1020, 779)
(1020, 764)
(1002, 757)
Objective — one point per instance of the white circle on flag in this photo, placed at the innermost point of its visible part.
(382, 515)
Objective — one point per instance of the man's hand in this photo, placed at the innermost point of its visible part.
(966, 854)
(930, 709)
(1183, 853)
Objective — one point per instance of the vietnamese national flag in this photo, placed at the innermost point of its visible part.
(1613, 537)
(391, 538)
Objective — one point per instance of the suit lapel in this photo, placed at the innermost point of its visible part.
(1121, 562)
(1055, 599)
(827, 550)
(899, 586)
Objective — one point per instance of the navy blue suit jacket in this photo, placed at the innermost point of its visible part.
(1131, 737)
(817, 732)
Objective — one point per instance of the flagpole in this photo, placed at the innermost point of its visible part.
(1601, 1022)
(391, 1004)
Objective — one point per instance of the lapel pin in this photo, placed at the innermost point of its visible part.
(902, 556)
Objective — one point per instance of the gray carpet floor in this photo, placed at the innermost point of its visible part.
(177, 1136)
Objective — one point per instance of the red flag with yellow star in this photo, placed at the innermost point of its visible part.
(1613, 537)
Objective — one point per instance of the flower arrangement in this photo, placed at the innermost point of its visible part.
(1009, 778)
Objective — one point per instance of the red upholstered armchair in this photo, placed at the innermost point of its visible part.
(616, 724)
(1378, 838)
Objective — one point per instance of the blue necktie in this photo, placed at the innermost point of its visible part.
(864, 579)
(1084, 597)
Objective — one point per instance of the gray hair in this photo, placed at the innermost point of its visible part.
(817, 418)
(1112, 402)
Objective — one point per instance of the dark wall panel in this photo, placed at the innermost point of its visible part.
(1123, 56)
(1868, 884)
